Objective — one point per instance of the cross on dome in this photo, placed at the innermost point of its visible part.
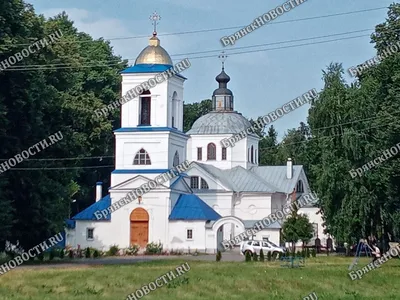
(154, 20)
(222, 58)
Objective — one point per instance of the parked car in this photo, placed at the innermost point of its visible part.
(255, 246)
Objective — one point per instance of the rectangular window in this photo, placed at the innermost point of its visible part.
(89, 233)
(199, 153)
(223, 153)
(194, 182)
(189, 234)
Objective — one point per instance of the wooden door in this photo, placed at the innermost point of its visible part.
(139, 222)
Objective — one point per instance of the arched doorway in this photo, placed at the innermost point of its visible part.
(235, 227)
(139, 220)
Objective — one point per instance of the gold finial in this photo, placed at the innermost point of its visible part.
(223, 57)
(155, 18)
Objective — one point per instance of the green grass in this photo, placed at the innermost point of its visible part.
(327, 276)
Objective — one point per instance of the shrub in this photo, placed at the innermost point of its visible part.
(52, 254)
(218, 256)
(96, 253)
(269, 255)
(255, 257)
(133, 249)
(274, 254)
(262, 255)
(313, 252)
(154, 248)
(113, 250)
(248, 256)
(61, 254)
(40, 256)
(87, 252)
(307, 253)
(71, 254)
(298, 254)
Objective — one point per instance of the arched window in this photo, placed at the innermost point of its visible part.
(211, 151)
(252, 154)
(145, 109)
(142, 158)
(194, 183)
(176, 159)
(174, 109)
(300, 187)
(204, 184)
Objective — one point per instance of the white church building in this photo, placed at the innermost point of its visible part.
(224, 191)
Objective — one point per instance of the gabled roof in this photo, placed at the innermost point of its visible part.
(191, 207)
(276, 175)
(88, 213)
(239, 179)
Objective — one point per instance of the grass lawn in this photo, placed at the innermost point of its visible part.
(326, 276)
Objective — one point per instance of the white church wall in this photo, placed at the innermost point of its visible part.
(272, 234)
(222, 204)
(178, 239)
(106, 234)
(161, 98)
(201, 141)
(176, 143)
(315, 217)
(253, 206)
(251, 142)
(175, 85)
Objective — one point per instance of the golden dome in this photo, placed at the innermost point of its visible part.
(154, 54)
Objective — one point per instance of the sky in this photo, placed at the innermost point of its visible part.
(261, 81)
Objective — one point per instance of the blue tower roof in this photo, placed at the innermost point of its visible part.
(149, 68)
(88, 213)
(191, 207)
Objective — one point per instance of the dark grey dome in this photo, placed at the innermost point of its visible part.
(220, 123)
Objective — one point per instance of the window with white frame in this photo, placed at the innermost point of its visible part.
(89, 233)
(189, 234)
(300, 187)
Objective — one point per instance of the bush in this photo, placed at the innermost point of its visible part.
(52, 254)
(61, 254)
(255, 257)
(87, 252)
(262, 255)
(96, 253)
(133, 250)
(154, 248)
(269, 255)
(298, 254)
(218, 256)
(248, 256)
(113, 250)
(307, 253)
(40, 256)
(274, 255)
(313, 252)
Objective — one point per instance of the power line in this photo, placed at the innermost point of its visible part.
(329, 136)
(223, 28)
(59, 168)
(206, 51)
(200, 57)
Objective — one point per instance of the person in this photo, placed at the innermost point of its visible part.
(376, 252)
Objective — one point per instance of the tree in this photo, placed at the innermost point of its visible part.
(193, 111)
(297, 227)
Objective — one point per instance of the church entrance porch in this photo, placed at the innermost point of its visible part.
(234, 226)
(139, 223)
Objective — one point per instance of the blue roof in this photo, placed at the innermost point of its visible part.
(88, 213)
(149, 68)
(191, 207)
(70, 224)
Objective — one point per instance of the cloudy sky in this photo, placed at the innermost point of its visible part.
(261, 81)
